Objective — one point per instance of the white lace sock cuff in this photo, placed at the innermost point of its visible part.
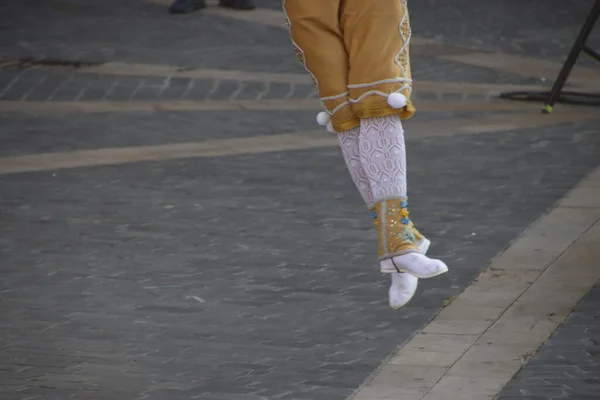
(382, 155)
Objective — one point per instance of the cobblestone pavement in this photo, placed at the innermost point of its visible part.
(245, 277)
(567, 366)
(249, 276)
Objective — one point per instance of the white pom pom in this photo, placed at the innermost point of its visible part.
(323, 118)
(330, 128)
(397, 100)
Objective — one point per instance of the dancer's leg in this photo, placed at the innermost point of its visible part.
(383, 156)
(349, 143)
(317, 35)
(377, 36)
(403, 286)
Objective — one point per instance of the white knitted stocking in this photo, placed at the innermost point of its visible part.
(349, 145)
(383, 157)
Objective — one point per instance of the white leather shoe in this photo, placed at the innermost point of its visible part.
(404, 285)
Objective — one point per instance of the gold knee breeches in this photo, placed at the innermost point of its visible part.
(357, 53)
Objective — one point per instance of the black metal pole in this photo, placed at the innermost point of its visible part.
(578, 47)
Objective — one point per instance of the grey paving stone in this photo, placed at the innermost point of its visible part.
(65, 94)
(303, 92)
(156, 81)
(7, 75)
(146, 93)
(225, 90)
(567, 366)
(48, 86)
(17, 91)
(124, 88)
(177, 82)
(172, 93)
(201, 89)
(93, 94)
(252, 91)
(278, 91)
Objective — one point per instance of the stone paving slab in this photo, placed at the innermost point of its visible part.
(246, 277)
(567, 366)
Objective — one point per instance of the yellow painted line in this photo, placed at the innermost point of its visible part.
(477, 343)
(268, 143)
